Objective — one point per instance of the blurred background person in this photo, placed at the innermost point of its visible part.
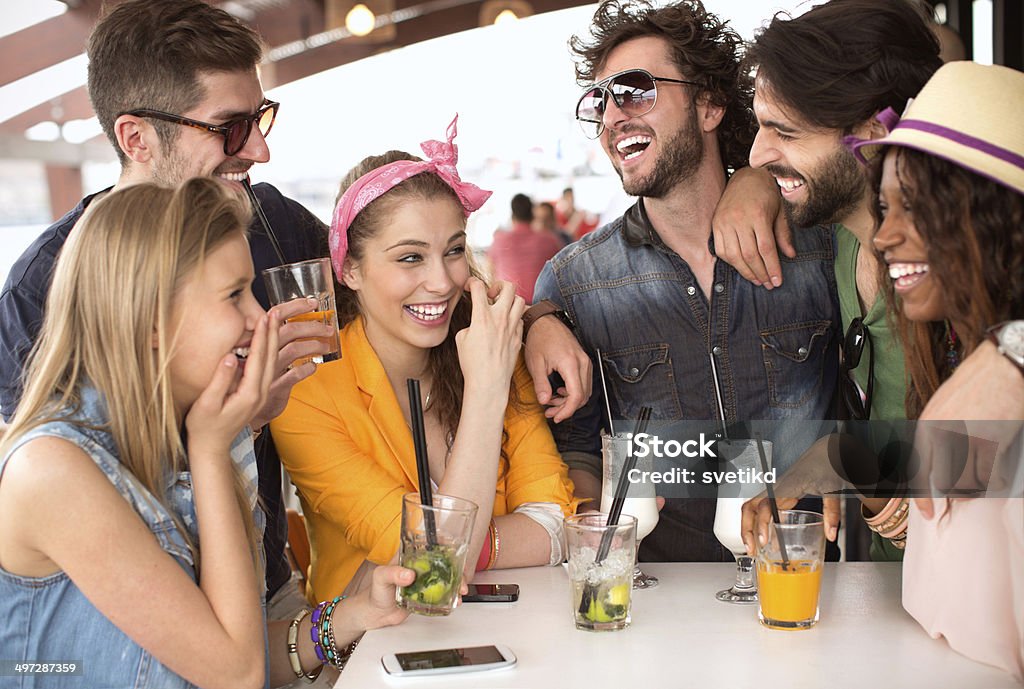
(544, 220)
(517, 255)
(574, 221)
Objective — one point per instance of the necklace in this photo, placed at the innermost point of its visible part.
(952, 349)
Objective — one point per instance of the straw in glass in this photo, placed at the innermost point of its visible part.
(419, 440)
(604, 389)
(618, 500)
(773, 503)
(258, 209)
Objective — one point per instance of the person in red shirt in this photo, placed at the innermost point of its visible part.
(518, 254)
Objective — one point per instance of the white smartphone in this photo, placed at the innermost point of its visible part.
(445, 660)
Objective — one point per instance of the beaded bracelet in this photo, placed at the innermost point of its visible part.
(293, 650)
(891, 521)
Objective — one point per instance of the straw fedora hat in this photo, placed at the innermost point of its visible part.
(968, 114)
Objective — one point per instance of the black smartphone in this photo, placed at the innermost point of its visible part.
(492, 593)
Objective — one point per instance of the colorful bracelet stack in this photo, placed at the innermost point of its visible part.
(489, 552)
(322, 635)
(891, 522)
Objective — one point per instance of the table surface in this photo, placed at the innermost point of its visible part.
(681, 636)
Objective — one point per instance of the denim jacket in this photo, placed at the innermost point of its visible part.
(637, 301)
(49, 619)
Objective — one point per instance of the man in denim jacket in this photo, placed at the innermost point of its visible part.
(672, 112)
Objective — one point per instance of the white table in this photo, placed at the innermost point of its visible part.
(682, 637)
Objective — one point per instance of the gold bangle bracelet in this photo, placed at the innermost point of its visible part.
(293, 649)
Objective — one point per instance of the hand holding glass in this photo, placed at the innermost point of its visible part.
(438, 562)
(789, 571)
(314, 280)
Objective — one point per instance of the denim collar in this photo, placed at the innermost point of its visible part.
(637, 230)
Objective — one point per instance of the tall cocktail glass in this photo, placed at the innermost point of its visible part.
(738, 456)
(640, 500)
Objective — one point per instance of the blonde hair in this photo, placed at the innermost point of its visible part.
(110, 302)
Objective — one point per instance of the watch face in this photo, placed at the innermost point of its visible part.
(1012, 338)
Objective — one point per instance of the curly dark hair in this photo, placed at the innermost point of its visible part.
(841, 62)
(974, 229)
(704, 48)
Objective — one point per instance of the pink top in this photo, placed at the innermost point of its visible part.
(519, 254)
(963, 578)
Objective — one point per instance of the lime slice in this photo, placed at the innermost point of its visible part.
(434, 593)
(619, 595)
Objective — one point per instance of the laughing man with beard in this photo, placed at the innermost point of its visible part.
(670, 107)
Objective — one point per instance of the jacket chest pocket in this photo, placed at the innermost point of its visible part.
(794, 361)
(642, 376)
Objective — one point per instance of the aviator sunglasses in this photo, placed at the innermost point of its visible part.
(235, 132)
(635, 92)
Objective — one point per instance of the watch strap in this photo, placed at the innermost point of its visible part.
(542, 308)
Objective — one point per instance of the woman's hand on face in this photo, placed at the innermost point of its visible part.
(223, 409)
(489, 347)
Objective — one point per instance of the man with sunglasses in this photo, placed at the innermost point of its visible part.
(669, 106)
(175, 88)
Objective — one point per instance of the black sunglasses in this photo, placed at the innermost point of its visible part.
(235, 132)
(858, 406)
(635, 92)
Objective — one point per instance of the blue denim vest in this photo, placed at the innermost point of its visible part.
(632, 297)
(49, 619)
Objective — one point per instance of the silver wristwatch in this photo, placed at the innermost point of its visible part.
(1008, 337)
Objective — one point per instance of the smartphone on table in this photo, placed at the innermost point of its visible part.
(492, 593)
(445, 660)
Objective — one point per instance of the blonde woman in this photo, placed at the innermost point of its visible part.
(130, 449)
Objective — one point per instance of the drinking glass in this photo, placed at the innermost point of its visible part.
(311, 279)
(738, 455)
(640, 500)
(789, 571)
(601, 591)
(434, 544)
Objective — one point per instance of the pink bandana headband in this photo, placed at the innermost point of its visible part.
(442, 157)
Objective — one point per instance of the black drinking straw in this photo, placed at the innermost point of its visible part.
(618, 500)
(258, 209)
(773, 503)
(419, 441)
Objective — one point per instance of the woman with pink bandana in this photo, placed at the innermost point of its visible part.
(411, 305)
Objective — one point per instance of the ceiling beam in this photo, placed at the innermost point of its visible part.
(279, 24)
(14, 147)
(63, 37)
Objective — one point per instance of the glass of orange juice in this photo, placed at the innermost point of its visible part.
(789, 571)
(312, 279)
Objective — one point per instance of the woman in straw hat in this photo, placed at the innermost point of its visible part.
(951, 207)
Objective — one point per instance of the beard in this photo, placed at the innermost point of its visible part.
(679, 160)
(834, 189)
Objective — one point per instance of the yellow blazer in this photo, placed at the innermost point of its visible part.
(346, 445)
